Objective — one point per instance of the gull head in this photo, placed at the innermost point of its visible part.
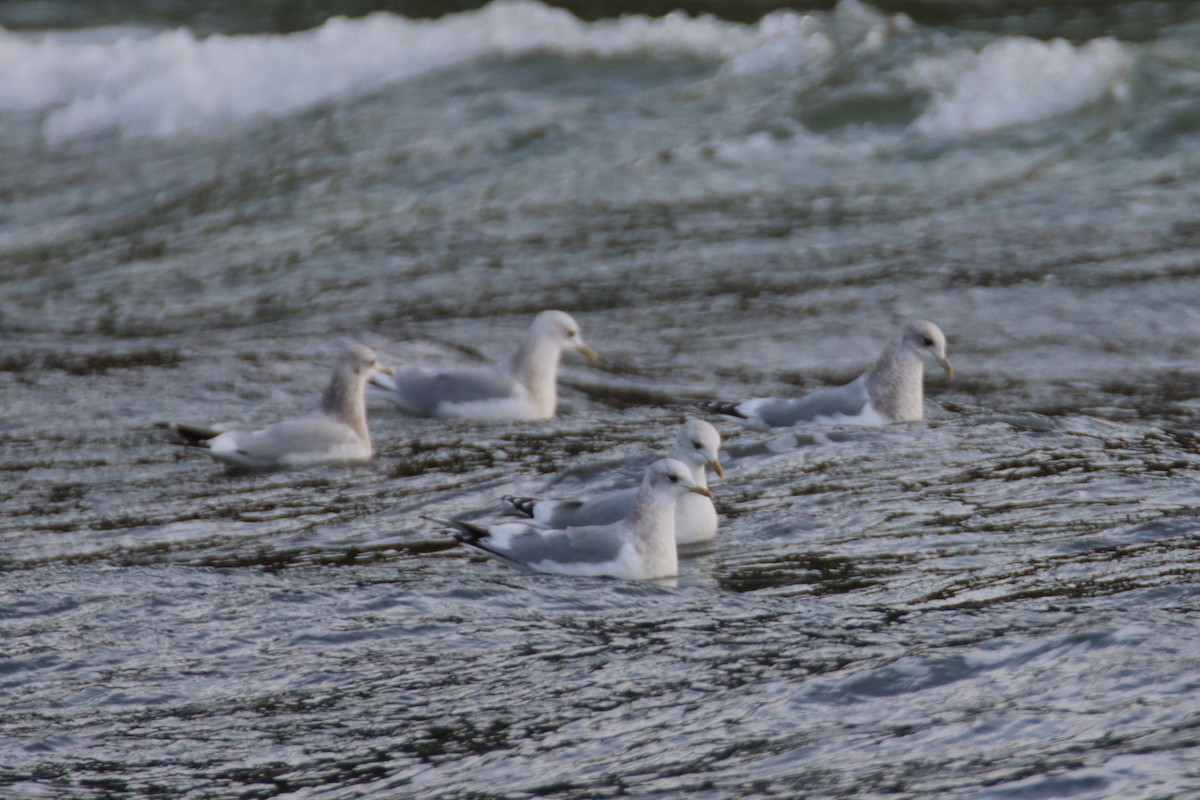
(671, 477)
(699, 445)
(922, 336)
(361, 360)
(561, 329)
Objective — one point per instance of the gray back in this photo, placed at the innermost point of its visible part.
(314, 434)
(589, 545)
(603, 509)
(422, 392)
(848, 400)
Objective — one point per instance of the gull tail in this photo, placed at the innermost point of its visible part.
(719, 407)
(385, 382)
(471, 535)
(193, 435)
(387, 388)
(524, 506)
(465, 532)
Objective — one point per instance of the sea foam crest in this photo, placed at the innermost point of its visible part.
(1017, 81)
(162, 84)
(802, 46)
(140, 84)
(144, 84)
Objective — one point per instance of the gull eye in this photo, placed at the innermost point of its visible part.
(572, 334)
(927, 340)
(697, 445)
(673, 478)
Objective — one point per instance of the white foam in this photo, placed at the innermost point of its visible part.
(158, 84)
(803, 46)
(145, 84)
(138, 84)
(786, 42)
(1017, 81)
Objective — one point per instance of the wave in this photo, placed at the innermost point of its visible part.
(1017, 81)
(147, 84)
(162, 84)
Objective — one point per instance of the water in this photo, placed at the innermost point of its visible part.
(998, 603)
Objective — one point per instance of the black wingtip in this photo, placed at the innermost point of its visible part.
(722, 408)
(522, 505)
(466, 532)
(470, 533)
(192, 435)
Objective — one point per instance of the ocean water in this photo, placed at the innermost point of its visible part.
(1000, 602)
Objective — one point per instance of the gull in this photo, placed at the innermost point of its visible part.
(639, 547)
(337, 433)
(890, 391)
(697, 446)
(525, 387)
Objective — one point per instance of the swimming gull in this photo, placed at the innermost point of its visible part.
(890, 391)
(639, 547)
(337, 433)
(525, 387)
(698, 446)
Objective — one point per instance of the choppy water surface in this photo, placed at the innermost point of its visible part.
(998, 603)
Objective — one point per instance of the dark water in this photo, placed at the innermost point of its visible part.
(998, 603)
(1085, 19)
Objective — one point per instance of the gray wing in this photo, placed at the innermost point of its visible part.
(603, 509)
(526, 544)
(623, 470)
(313, 436)
(848, 400)
(421, 391)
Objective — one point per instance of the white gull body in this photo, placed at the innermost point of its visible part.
(524, 387)
(697, 446)
(892, 390)
(639, 547)
(338, 432)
